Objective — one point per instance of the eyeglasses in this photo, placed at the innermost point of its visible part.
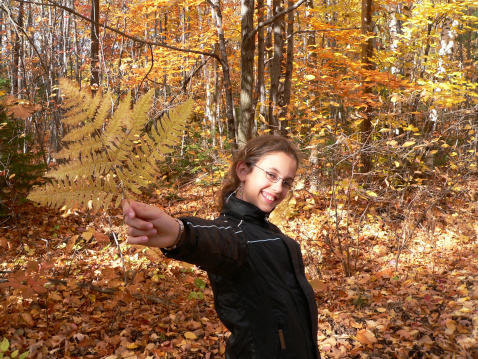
(271, 176)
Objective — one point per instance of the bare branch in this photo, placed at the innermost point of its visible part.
(135, 39)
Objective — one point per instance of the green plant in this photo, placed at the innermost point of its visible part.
(4, 349)
(361, 301)
(19, 169)
(198, 294)
(197, 159)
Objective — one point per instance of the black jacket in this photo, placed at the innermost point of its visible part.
(257, 276)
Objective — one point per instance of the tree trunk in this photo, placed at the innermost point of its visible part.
(16, 78)
(95, 45)
(311, 65)
(468, 35)
(217, 99)
(269, 53)
(394, 30)
(247, 72)
(261, 54)
(367, 52)
(276, 70)
(3, 27)
(447, 39)
(210, 105)
(217, 16)
(77, 49)
(289, 67)
(65, 31)
(408, 58)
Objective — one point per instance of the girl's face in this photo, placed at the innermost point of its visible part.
(258, 189)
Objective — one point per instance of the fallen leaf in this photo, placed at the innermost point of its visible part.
(365, 336)
(101, 237)
(451, 324)
(318, 285)
(27, 318)
(408, 143)
(87, 235)
(190, 335)
(426, 340)
(71, 243)
(404, 334)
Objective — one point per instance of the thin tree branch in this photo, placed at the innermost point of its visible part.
(150, 69)
(330, 30)
(19, 28)
(144, 42)
(186, 81)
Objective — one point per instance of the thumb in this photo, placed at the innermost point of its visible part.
(141, 210)
(127, 206)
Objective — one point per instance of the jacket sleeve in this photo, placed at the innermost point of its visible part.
(217, 246)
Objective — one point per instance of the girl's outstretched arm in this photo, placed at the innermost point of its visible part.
(149, 225)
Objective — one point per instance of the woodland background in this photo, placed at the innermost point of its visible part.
(381, 97)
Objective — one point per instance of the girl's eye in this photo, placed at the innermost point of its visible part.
(273, 176)
(287, 184)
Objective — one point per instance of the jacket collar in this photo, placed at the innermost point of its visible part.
(245, 211)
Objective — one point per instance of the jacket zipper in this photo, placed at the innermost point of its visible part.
(282, 340)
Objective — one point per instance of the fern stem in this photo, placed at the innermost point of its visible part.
(119, 250)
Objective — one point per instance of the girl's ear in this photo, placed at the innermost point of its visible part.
(242, 170)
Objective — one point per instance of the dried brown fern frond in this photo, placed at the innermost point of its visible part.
(80, 105)
(122, 118)
(110, 156)
(80, 149)
(86, 116)
(90, 125)
(164, 135)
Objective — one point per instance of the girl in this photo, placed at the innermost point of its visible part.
(256, 272)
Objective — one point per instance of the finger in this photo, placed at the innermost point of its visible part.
(136, 232)
(138, 223)
(145, 211)
(137, 240)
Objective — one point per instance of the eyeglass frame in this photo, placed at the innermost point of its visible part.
(276, 178)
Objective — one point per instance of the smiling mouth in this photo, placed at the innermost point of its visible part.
(269, 197)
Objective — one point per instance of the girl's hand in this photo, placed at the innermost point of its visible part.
(149, 225)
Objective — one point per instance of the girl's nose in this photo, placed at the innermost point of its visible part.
(277, 186)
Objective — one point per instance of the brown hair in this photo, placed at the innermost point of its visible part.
(252, 152)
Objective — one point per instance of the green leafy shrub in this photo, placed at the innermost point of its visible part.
(197, 159)
(19, 170)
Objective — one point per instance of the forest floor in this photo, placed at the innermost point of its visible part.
(70, 292)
